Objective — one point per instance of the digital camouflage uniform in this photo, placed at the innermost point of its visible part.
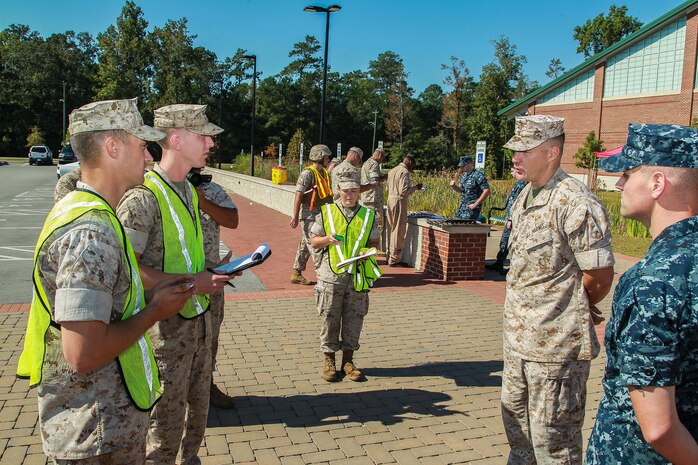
(305, 182)
(513, 195)
(373, 198)
(472, 184)
(182, 347)
(341, 308)
(549, 338)
(82, 415)
(212, 238)
(66, 184)
(652, 335)
(343, 169)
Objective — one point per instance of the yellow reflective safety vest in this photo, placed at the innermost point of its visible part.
(183, 245)
(137, 363)
(322, 190)
(356, 234)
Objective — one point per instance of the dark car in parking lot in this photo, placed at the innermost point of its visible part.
(40, 155)
(66, 155)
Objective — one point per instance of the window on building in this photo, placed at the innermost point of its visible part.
(579, 89)
(653, 65)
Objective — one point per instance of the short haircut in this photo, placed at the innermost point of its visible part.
(409, 159)
(86, 145)
(684, 179)
(165, 141)
(557, 141)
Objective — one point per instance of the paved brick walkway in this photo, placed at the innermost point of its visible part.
(431, 352)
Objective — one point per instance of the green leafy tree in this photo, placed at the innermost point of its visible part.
(458, 102)
(500, 82)
(555, 69)
(294, 146)
(386, 70)
(585, 157)
(399, 107)
(602, 31)
(125, 57)
(35, 137)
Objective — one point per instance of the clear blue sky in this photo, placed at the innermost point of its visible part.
(424, 33)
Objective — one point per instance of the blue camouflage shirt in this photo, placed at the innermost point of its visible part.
(472, 184)
(651, 340)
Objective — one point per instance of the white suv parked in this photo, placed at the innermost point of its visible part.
(40, 155)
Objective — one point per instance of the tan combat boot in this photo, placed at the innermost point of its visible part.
(329, 369)
(297, 278)
(349, 368)
(219, 399)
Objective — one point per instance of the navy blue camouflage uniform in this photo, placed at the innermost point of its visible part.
(652, 335)
(651, 340)
(472, 185)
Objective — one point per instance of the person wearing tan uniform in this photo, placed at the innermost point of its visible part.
(399, 190)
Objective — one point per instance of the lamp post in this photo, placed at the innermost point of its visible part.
(63, 100)
(328, 10)
(254, 107)
(375, 117)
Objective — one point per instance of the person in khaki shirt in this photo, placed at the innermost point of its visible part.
(561, 267)
(399, 189)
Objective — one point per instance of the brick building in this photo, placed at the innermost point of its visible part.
(648, 77)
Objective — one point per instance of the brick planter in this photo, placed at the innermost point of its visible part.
(454, 253)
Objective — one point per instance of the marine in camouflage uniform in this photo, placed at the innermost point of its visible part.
(86, 415)
(373, 198)
(215, 194)
(182, 346)
(66, 184)
(560, 234)
(341, 307)
(504, 241)
(473, 188)
(307, 191)
(652, 336)
(350, 166)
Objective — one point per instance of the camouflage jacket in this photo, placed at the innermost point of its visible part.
(563, 232)
(651, 340)
(82, 415)
(211, 230)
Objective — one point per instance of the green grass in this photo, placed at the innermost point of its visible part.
(631, 246)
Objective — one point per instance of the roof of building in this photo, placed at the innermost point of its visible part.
(515, 108)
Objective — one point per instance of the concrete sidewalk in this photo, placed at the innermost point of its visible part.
(431, 352)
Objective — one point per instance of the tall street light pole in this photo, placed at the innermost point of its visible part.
(63, 112)
(254, 107)
(328, 10)
(220, 117)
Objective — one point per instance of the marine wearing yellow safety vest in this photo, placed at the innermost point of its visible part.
(137, 363)
(356, 235)
(322, 190)
(181, 235)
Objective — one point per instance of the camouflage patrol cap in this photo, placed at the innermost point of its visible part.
(657, 145)
(318, 152)
(108, 115)
(349, 180)
(465, 160)
(186, 116)
(531, 131)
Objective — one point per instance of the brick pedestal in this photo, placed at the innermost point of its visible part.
(454, 253)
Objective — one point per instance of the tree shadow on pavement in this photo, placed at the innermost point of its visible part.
(464, 373)
(388, 406)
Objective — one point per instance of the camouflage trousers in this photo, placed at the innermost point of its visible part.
(342, 310)
(305, 250)
(178, 421)
(132, 453)
(217, 312)
(397, 219)
(380, 219)
(543, 410)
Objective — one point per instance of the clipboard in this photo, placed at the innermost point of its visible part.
(259, 256)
